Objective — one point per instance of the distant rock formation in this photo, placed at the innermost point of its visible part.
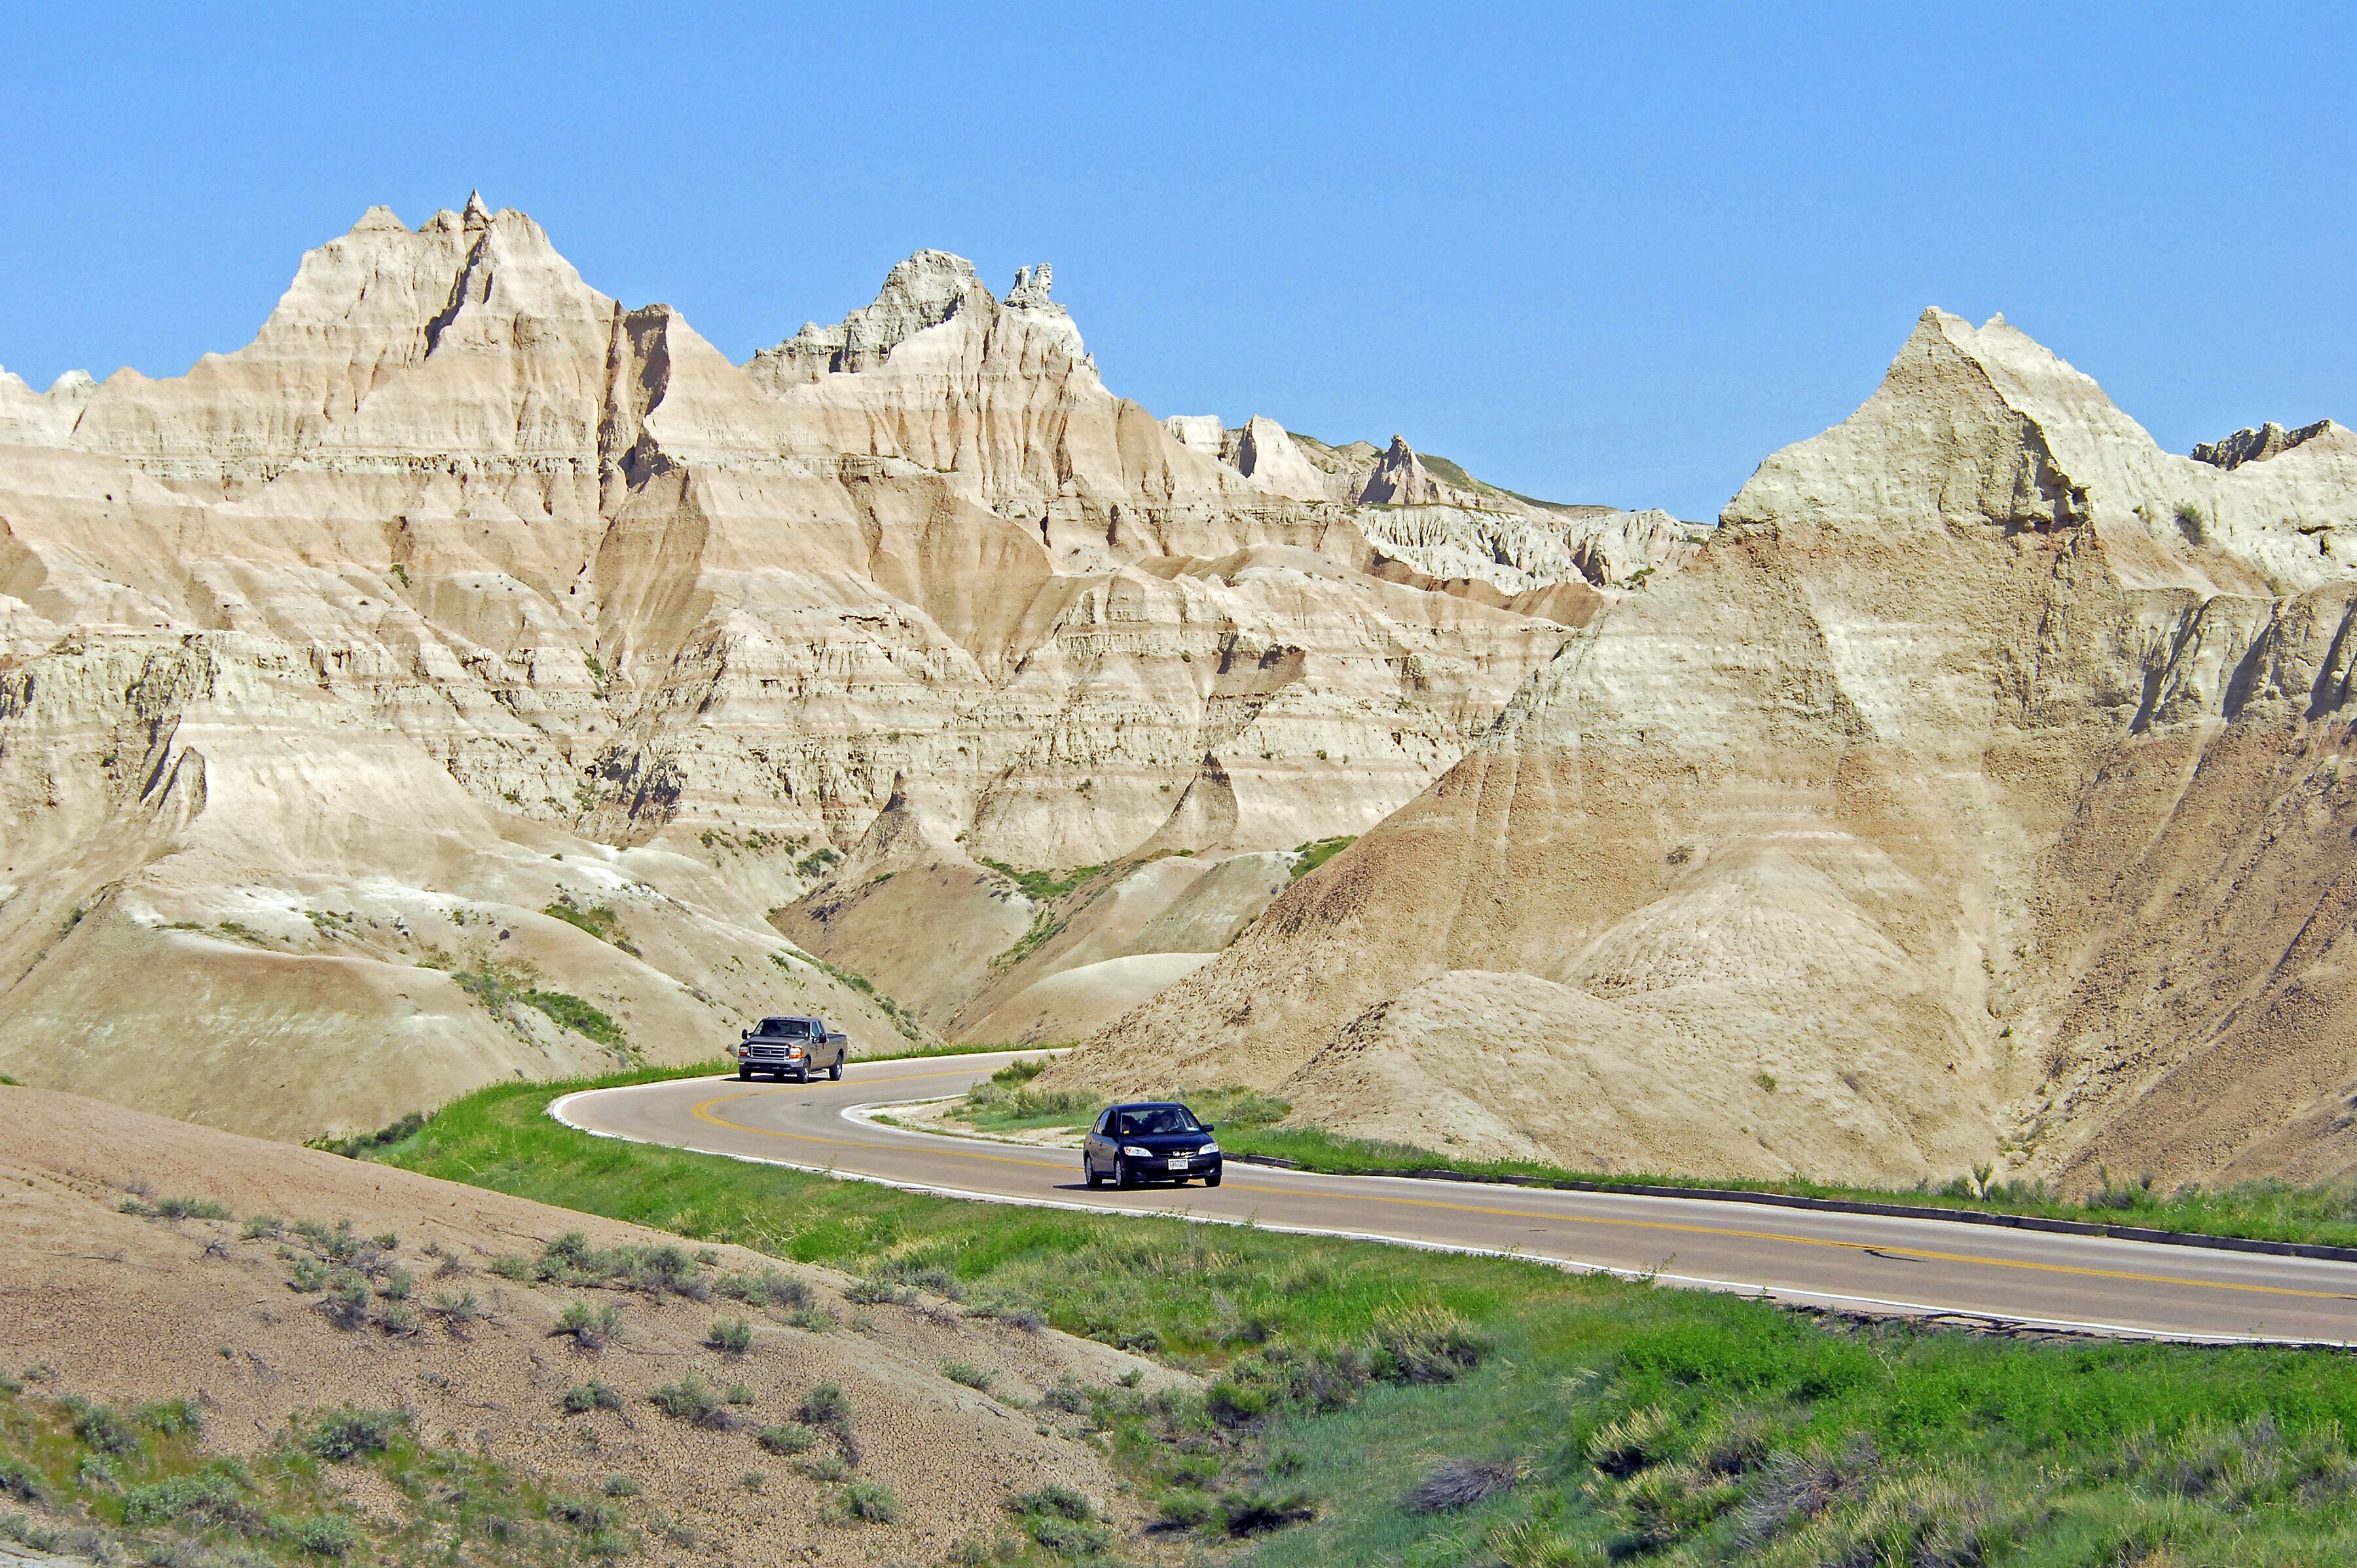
(2257, 446)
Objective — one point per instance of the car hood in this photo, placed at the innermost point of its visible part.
(1162, 1140)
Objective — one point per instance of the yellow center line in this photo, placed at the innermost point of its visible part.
(703, 1111)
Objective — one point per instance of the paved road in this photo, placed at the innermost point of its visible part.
(1868, 1261)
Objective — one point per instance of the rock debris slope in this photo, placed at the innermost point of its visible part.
(450, 683)
(1980, 793)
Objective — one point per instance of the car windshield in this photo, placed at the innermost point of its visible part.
(1146, 1122)
(786, 1029)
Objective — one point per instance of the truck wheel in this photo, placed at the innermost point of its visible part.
(744, 1075)
(801, 1075)
(836, 1072)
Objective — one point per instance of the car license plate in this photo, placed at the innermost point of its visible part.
(1177, 1162)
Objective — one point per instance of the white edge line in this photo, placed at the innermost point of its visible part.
(1732, 1288)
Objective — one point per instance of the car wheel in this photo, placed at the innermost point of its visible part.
(1121, 1176)
(1212, 1180)
(836, 1072)
(1089, 1173)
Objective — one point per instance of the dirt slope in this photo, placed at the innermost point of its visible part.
(129, 1308)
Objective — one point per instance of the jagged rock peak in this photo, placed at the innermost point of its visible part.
(380, 219)
(924, 291)
(1401, 480)
(1031, 285)
(476, 213)
(2257, 446)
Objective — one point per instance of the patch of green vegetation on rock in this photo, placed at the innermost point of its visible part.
(602, 921)
(1314, 855)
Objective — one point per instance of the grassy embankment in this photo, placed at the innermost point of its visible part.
(1437, 1410)
(110, 1484)
(2270, 1211)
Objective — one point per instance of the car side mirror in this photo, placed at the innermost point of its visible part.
(1208, 1127)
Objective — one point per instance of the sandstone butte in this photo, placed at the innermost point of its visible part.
(473, 677)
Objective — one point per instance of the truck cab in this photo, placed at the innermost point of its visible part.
(790, 1046)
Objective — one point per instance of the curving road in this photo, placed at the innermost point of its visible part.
(1869, 1262)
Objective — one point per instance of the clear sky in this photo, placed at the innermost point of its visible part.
(1594, 254)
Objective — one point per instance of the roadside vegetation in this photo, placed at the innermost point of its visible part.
(1356, 1403)
(2264, 1210)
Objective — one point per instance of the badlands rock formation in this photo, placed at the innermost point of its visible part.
(1980, 793)
(471, 657)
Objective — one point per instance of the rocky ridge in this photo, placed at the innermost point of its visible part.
(471, 650)
(1978, 796)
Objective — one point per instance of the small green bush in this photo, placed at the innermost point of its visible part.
(973, 1376)
(189, 1209)
(219, 1494)
(103, 1427)
(344, 1437)
(828, 1408)
(694, 1400)
(730, 1336)
(22, 1482)
(582, 1397)
(622, 1487)
(321, 1535)
(590, 1326)
(787, 1440)
(170, 1418)
(869, 1502)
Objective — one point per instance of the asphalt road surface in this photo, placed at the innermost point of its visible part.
(1868, 1262)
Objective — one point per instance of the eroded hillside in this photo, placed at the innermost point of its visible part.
(452, 683)
(1980, 794)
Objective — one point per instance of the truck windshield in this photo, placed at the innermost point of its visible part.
(786, 1029)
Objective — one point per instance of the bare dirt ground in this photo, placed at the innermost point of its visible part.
(118, 1307)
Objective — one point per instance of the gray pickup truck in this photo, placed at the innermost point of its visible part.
(791, 1048)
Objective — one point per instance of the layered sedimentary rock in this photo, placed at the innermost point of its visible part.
(1978, 795)
(471, 648)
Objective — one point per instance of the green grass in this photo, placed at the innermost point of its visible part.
(1043, 886)
(1314, 855)
(495, 986)
(602, 921)
(1650, 1424)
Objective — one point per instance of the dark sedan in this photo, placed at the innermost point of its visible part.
(1154, 1139)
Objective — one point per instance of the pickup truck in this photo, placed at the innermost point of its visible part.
(791, 1048)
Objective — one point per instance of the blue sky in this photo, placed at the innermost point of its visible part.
(1598, 255)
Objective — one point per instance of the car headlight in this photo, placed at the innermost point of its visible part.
(1208, 1149)
(1134, 1153)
